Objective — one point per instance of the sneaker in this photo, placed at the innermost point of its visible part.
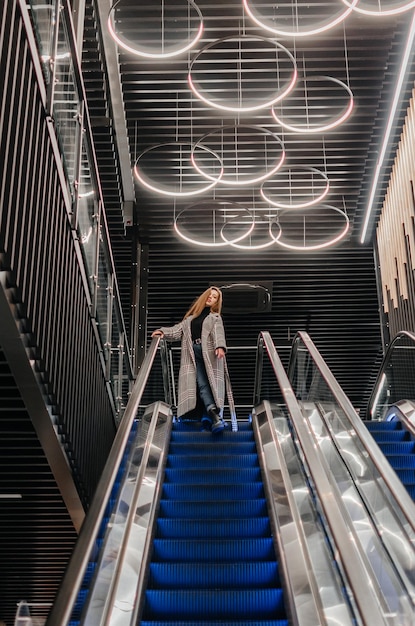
(206, 423)
(218, 427)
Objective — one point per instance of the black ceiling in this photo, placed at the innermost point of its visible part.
(160, 109)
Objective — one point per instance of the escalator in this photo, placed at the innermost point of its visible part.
(252, 527)
(398, 445)
(213, 552)
(390, 416)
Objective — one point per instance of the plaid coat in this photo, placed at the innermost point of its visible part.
(212, 336)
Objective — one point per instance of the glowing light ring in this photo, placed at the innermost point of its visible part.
(259, 246)
(382, 13)
(166, 192)
(319, 246)
(236, 181)
(216, 244)
(301, 33)
(247, 109)
(298, 205)
(326, 127)
(153, 55)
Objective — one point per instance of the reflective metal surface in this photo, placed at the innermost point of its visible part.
(381, 510)
(364, 590)
(315, 586)
(113, 596)
(85, 547)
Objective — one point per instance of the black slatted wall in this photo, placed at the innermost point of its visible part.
(330, 294)
(41, 273)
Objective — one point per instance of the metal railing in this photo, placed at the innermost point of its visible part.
(396, 377)
(71, 583)
(353, 560)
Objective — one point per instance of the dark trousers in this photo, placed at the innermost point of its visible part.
(203, 385)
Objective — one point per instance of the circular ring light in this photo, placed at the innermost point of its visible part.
(140, 20)
(254, 244)
(249, 154)
(317, 224)
(296, 183)
(319, 110)
(213, 215)
(171, 163)
(291, 13)
(236, 59)
(378, 11)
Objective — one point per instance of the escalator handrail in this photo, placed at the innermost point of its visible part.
(404, 411)
(391, 479)
(368, 600)
(385, 363)
(73, 577)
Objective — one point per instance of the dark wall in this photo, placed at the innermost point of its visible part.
(37, 251)
(42, 280)
(330, 294)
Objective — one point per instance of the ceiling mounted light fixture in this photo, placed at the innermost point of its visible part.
(229, 79)
(201, 224)
(381, 9)
(153, 30)
(261, 237)
(291, 187)
(249, 154)
(294, 19)
(314, 227)
(176, 175)
(315, 108)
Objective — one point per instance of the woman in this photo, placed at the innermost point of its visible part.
(203, 371)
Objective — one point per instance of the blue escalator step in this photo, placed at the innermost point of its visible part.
(208, 575)
(206, 437)
(89, 573)
(212, 528)
(214, 604)
(390, 436)
(407, 476)
(213, 446)
(212, 476)
(195, 426)
(212, 510)
(403, 447)
(411, 490)
(375, 425)
(213, 492)
(195, 461)
(213, 550)
(80, 601)
(213, 558)
(401, 461)
(274, 622)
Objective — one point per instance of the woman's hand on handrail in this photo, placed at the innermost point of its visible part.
(157, 333)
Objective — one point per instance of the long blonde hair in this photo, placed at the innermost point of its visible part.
(200, 303)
